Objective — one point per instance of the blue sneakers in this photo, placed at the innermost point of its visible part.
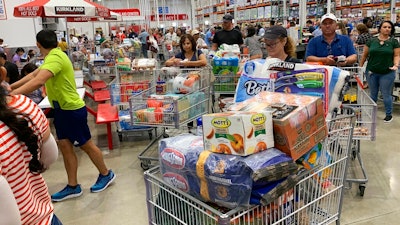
(67, 193)
(103, 182)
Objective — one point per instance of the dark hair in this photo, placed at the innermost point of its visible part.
(3, 55)
(18, 123)
(28, 68)
(251, 31)
(309, 21)
(190, 38)
(366, 19)
(19, 50)
(391, 24)
(47, 39)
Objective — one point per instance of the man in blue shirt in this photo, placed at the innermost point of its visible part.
(331, 48)
(143, 39)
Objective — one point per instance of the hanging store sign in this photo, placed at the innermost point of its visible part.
(127, 12)
(169, 17)
(69, 10)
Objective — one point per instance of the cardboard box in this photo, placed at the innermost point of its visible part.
(298, 120)
(238, 133)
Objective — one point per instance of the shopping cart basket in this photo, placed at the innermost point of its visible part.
(316, 199)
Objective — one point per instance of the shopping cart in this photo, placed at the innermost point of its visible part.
(129, 82)
(365, 110)
(315, 199)
(160, 107)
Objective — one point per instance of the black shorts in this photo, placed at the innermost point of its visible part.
(72, 125)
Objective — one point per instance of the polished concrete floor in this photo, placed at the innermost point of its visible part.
(123, 203)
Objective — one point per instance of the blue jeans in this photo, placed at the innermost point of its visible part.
(145, 47)
(55, 220)
(384, 83)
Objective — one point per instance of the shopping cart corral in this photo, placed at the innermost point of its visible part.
(365, 110)
(179, 97)
(315, 199)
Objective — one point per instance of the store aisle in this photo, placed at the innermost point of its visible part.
(123, 203)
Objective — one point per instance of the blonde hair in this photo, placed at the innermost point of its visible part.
(290, 47)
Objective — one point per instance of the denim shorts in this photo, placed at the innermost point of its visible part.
(55, 220)
(72, 125)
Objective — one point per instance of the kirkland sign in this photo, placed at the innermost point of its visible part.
(62, 10)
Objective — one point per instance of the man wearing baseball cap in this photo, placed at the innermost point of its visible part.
(227, 35)
(331, 48)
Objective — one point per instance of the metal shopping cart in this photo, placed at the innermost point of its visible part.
(160, 107)
(315, 199)
(129, 82)
(226, 78)
(365, 110)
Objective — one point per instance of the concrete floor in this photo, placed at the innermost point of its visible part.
(123, 203)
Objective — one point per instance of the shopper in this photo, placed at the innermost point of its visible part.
(63, 45)
(27, 149)
(189, 56)
(12, 69)
(279, 45)
(252, 42)
(70, 114)
(383, 54)
(227, 35)
(363, 35)
(143, 40)
(200, 43)
(18, 57)
(331, 48)
(36, 95)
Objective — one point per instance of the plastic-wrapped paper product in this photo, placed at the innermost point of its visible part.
(226, 180)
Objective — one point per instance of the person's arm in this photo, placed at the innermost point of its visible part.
(350, 60)
(202, 61)
(25, 79)
(33, 84)
(364, 55)
(9, 211)
(396, 58)
(49, 150)
(3, 73)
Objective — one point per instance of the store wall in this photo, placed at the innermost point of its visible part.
(18, 32)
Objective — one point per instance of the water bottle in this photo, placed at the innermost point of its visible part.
(199, 126)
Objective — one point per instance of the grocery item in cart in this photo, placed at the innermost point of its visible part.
(298, 121)
(223, 179)
(238, 133)
(186, 82)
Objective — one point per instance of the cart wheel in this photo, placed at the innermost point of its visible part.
(120, 137)
(165, 135)
(145, 165)
(362, 189)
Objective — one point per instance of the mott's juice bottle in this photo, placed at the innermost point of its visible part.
(238, 133)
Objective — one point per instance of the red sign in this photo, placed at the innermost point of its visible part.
(169, 17)
(127, 12)
(81, 19)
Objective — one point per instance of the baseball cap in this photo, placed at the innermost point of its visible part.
(227, 18)
(194, 32)
(275, 32)
(328, 16)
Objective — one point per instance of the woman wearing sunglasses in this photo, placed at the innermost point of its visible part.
(279, 45)
(383, 54)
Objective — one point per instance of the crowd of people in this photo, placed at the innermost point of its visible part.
(36, 148)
